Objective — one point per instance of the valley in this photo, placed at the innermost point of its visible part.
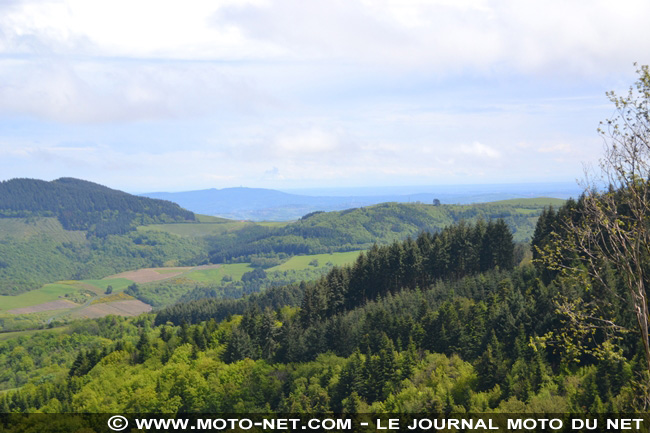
(51, 273)
(361, 304)
(58, 303)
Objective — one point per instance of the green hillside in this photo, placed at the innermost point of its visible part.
(444, 323)
(114, 232)
(22, 228)
(360, 228)
(29, 262)
(74, 229)
(83, 205)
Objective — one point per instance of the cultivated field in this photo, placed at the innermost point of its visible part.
(46, 306)
(71, 299)
(120, 308)
(148, 275)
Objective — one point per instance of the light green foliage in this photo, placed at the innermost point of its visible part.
(41, 356)
(17, 334)
(30, 262)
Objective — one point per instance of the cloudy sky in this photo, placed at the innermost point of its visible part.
(165, 95)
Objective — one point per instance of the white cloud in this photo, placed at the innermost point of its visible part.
(479, 150)
(579, 37)
(313, 141)
(109, 92)
(555, 148)
(146, 28)
(541, 36)
(288, 90)
(80, 61)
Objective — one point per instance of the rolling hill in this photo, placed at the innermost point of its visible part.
(71, 229)
(360, 228)
(74, 229)
(83, 205)
(259, 204)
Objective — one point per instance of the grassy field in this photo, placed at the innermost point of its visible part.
(20, 228)
(58, 291)
(75, 289)
(208, 226)
(78, 291)
(211, 219)
(47, 293)
(297, 263)
(531, 202)
(197, 230)
(274, 224)
(235, 271)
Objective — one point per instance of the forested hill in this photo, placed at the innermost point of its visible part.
(453, 253)
(360, 228)
(83, 205)
(440, 324)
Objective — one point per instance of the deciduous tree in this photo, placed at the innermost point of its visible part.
(609, 232)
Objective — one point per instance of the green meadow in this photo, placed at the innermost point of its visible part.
(297, 263)
(47, 293)
(208, 226)
(215, 275)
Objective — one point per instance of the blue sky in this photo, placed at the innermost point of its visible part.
(163, 95)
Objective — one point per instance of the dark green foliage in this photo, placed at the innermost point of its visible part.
(82, 205)
(219, 309)
(380, 271)
(86, 360)
(255, 274)
(239, 346)
(453, 253)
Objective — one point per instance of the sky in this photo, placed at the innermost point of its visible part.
(144, 95)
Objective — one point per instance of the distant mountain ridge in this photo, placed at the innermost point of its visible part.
(83, 205)
(260, 204)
